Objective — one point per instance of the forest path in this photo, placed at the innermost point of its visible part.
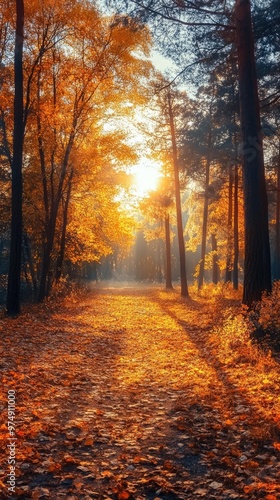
(120, 395)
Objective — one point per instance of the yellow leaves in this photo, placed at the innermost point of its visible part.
(269, 310)
(97, 224)
(181, 425)
(75, 91)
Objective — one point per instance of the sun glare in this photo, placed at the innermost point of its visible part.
(146, 178)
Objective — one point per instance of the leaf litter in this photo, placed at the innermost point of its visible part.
(123, 394)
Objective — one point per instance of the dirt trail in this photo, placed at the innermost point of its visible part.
(119, 396)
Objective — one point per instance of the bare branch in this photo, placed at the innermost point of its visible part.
(181, 21)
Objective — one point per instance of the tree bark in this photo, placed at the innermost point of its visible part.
(60, 257)
(13, 292)
(228, 273)
(215, 268)
(50, 230)
(168, 272)
(182, 256)
(30, 263)
(205, 211)
(235, 203)
(257, 272)
(235, 229)
(276, 266)
(46, 260)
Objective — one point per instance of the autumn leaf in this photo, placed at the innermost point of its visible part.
(89, 441)
(118, 428)
(123, 495)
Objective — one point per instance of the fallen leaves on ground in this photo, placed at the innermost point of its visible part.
(127, 394)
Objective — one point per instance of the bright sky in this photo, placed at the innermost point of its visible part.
(162, 63)
(146, 175)
(147, 172)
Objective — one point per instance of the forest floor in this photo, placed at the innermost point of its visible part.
(135, 393)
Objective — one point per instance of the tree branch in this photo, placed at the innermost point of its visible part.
(181, 21)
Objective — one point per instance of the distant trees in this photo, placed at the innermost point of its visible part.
(166, 110)
(157, 209)
(211, 30)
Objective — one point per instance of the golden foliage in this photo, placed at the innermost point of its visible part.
(155, 400)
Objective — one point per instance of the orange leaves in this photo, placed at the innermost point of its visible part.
(252, 464)
(148, 411)
(69, 459)
(235, 452)
(249, 489)
(121, 491)
(89, 441)
(123, 495)
(54, 467)
(107, 473)
(269, 489)
(86, 63)
(39, 493)
(229, 462)
(228, 422)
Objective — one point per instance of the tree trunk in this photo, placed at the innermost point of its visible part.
(205, 212)
(235, 200)
(235, 229)
(257, 272)
(229, 228)
(277, 226)
(30, 263)
(182, 256)
(46, 260)
(215, 268)
(60, 257)
(168, 272)
(13, 292)
(51, 225)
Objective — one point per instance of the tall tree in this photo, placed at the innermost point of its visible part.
(257, 271)
(181, 241)
(13, 295)
(207, 163)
